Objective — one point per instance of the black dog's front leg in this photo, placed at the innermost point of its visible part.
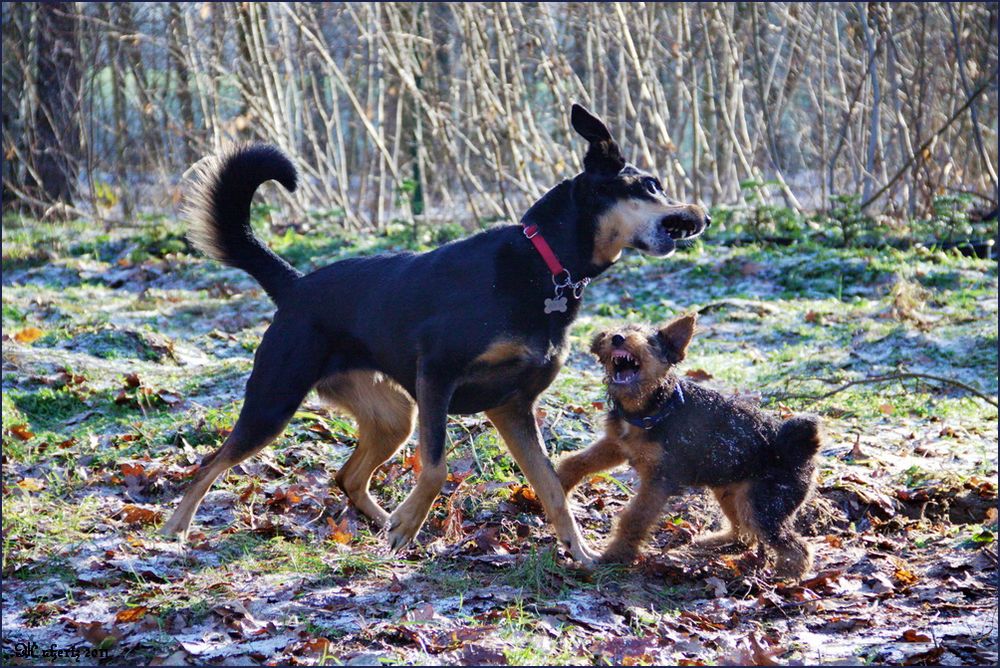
(433, 397)
(516, 423)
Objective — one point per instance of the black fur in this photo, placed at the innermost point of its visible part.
(604, 156)
(222, 226)
(712, 440)
(460, 329)
(409, 314)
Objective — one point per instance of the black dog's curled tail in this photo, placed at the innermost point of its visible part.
(219, 212)
(799, 438)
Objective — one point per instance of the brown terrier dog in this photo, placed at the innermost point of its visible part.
(676, 433)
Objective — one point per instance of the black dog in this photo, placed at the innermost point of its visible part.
(476, 325)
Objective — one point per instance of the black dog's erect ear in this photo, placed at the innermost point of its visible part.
(603, 156)
(676, 335)
(589, 127)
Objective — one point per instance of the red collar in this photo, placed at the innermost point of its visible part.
(544, 249)
(561, 277)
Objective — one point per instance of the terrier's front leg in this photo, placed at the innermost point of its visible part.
(601, 456)
(634, 524)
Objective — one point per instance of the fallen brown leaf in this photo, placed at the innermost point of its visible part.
(28, 335)
(138, 515)
(22, 432)
(97, 635)
(911, 635)
(814, 317)
(339, 532)
(129, 615)
(525, 498)
(31, 484)
(928, 658)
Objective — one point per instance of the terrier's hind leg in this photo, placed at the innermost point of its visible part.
(735, 506)
(774, 502)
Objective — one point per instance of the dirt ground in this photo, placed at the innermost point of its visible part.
(124, 355)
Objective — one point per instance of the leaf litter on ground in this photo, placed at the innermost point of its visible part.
(106, 414)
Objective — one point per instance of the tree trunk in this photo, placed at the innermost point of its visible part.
(57, 148)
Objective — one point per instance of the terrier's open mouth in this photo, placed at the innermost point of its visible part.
(624, 368)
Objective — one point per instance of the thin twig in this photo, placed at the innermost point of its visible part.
(896, 376)
(930, 140)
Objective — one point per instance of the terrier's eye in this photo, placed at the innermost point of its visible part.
(652, 185)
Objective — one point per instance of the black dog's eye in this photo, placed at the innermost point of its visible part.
(652, 185)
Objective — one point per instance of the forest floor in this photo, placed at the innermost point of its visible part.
(124, 356)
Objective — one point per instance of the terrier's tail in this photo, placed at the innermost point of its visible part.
(799, 438)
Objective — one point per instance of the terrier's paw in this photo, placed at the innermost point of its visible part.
(621, 556)
(718, 539)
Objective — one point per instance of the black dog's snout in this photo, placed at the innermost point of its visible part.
(708, 219)
(617, 340)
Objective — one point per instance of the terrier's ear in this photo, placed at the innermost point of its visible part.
(597, 342)
(603, 155)
(675, 336)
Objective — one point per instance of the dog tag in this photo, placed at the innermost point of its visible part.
(557, 305)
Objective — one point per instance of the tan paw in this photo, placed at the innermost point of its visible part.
(176, 526)
(722, 538)
(402, 527)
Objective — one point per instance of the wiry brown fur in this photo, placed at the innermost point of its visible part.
(759, 468)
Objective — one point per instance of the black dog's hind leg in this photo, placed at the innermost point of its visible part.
(516, 424)
(774, 502)
(285, 368)
(433, 398)
(385, 415)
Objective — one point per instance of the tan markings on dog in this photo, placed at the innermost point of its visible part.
(385, 415)
(735, 504)
(180, 522)
(407, 519)
(634, 523)
(240, 445)
(369, 396)
(623, 224)
(601, 456)
(504, 351)
(622, 442)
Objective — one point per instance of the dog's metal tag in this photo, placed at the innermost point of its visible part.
(556, 305)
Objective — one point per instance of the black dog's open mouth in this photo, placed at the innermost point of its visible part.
(678, 230)
(677, 233)
(624, 368)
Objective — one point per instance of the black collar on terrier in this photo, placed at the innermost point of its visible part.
(666, 407)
